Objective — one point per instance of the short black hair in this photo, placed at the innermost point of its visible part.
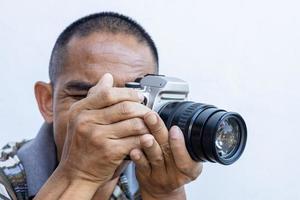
(108, 22)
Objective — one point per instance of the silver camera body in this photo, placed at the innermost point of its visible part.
(211, 134)
(160, 90)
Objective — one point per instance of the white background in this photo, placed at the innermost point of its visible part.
(239, 55)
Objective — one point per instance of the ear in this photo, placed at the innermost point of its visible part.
(44, 97)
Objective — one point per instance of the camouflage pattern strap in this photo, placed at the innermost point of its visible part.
(6, 190)
(12, 172)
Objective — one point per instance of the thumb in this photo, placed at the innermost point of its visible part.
(106, 81)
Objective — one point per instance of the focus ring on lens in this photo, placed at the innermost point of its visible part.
(182, 117)
(186, 115)
(185, 120)
(180, 113)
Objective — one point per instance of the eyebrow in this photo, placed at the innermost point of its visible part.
(78, 86)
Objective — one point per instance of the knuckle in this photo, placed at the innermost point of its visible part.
(119, 152)
(96, 139)
(138, 125)
(133, 93)
(158, 160)
(81, 123)
(191, 173)
(193, 177)
(185, 168)
(136, 143)
(197, 172)
(107, 155)
(180, 180)
(111, 156)
(174, 186)
(126, 108)
(104, 117)
(166, 150)
(168, 186)
(106, 95)
(92, 91)
(158, 129)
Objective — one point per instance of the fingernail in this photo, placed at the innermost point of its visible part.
(175, 133)
(152, 119)
(141, 96)
(149, 143)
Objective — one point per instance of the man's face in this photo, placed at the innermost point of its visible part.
(88, 59)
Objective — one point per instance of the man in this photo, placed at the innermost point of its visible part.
(92, 123)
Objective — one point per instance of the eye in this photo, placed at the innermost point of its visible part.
(78, 96)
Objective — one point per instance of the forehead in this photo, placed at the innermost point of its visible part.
(89, 57)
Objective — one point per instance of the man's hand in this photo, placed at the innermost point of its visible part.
(164, 166)
(103, 128)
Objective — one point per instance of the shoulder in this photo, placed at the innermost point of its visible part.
(12, 173)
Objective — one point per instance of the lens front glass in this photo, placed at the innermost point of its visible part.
(227, 137)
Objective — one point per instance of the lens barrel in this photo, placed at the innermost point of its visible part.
(211, 134)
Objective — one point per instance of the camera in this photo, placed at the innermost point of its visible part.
(211, 134)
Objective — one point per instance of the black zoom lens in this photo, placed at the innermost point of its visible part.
(211, 134)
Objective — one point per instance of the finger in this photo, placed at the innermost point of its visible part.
(157, 127)
(140, 161)
(106, 81)
(153, 152)
(104, 94)
(126, 128)
(181, 156)
(118, 112)
(110, 96)
(126, 145)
